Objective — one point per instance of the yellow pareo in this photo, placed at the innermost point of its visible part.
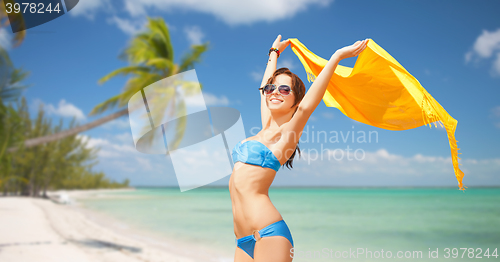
(378, 91)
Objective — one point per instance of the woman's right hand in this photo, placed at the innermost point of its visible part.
(352, 50)
(280, 45)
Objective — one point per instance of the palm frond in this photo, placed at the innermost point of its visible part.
(4, 58)
(134, 85)
(194, 56)
(139, 49)
(10, 78)
(124, 71)
(17, 21)
(160, 63)
(159, 29)
(181, 126)
(108, 104)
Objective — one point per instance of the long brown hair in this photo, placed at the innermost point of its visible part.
(299, 90)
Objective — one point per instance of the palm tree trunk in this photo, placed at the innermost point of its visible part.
(53, 137)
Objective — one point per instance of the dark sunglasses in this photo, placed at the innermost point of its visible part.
(268, 89)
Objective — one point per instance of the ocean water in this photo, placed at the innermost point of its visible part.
(330, 224)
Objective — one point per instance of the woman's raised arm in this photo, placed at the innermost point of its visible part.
(317, 90)
(271, 67)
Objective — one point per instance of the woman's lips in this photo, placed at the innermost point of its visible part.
(275, 101)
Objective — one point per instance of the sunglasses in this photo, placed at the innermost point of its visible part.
(268, 89)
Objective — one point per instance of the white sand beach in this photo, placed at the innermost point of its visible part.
(42, 230)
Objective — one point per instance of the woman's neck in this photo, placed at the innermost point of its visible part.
(278, 119)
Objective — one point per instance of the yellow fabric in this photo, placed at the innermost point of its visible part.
(379, 92)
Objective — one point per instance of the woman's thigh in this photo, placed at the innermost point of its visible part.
(241, 256)
(275, 249)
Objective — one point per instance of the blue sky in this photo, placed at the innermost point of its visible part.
(451, 47)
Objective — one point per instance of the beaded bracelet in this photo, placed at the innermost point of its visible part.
(275, 50)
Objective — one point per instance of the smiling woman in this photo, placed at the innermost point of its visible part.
(261, 232)
(284, 87)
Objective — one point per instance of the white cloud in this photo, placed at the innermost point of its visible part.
(194, 34)
(129, 27)
(343, 166)
(5, 39)
(256, 76)
(496, 64)
(63, 109)
(213, 100)
(124, 137)
(100, 144)
(120, 123)
(487, 45)
(144, 163)
(495, 114)
(231, 12)
(108, 149)
(468, 56)
(330, 166)
(288, 63)
(119, 159)
(258, 73)
(209, 99)
(327, 115)
(381, 162)
(136, 8)
(88, 8)
(95, 142)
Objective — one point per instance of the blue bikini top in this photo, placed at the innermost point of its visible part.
(255, 153)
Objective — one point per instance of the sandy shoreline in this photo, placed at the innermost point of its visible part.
(42, 230)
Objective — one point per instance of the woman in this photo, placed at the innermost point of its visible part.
(261, 233)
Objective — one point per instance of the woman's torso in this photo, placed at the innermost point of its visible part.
(249, 186)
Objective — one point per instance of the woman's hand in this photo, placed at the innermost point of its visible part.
(352, 50)
(281, 45)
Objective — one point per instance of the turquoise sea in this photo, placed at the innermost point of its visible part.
(330, 224)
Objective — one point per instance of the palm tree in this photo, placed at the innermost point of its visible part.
(10, 89)
(10, 78)
(151, 58)
(17, 20)
(65, 163)
(10, 84)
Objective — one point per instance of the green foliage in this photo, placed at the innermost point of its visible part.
(10, 78)
(17, 19)
(61, 164)
(87, 180)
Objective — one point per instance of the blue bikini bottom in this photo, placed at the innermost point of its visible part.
(279, 228)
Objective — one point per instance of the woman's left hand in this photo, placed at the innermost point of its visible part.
(280, 45)
(352, 50)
